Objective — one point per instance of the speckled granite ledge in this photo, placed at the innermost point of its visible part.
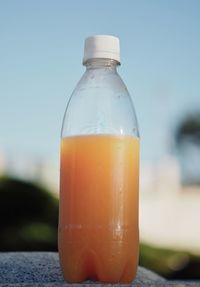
(41, 269)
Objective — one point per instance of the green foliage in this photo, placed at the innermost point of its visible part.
(169, 263)
(28, 216)
(189, 129)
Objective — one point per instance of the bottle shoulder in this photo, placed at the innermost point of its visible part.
(101, 79)
(100, 103)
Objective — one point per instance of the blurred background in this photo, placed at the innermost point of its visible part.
(41, 48)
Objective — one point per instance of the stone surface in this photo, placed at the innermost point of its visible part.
(41, 269)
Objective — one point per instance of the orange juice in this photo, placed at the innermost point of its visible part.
(98, 218)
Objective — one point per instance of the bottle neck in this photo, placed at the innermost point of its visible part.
(101, 64)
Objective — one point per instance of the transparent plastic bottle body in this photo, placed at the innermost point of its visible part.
(98, 214)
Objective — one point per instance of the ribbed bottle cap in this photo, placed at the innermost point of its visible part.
(101, 46)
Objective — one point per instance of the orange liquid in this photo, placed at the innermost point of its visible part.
(98, 217)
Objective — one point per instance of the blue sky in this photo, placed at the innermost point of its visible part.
(41, 48)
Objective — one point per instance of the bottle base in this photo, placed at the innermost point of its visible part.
(89, 269)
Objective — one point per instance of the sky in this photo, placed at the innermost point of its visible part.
(41, 49)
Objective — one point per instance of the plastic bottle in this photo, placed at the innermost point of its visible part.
(98, 213)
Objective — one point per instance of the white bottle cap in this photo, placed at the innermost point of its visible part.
(101, 46)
